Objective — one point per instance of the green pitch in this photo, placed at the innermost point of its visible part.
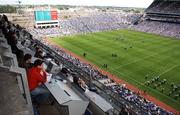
(148, 61)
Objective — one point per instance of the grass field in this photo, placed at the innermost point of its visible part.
(141, 58)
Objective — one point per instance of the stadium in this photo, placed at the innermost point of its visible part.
(90, 60)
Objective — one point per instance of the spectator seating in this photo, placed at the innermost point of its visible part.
(161, 28)
(93, 23)
(15, 97)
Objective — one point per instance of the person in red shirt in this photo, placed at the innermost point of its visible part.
(36, 78)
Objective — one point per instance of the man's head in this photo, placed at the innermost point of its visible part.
(27, 58)
(38, 63)
(40, 53)
(38, 49)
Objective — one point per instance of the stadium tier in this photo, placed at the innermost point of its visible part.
(164, 7)
(161, 17)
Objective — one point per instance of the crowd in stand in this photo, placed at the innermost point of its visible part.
(99, 22)
(161, 28)
(93, 23)
(138, 100)
(46, 31)
(109, 21)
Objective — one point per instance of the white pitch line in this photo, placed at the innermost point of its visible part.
(134, 61)
(125, 75)
(169, 69)
(116, 67)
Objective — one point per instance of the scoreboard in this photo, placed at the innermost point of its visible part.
(45, 15)
(44, 18)
(54, 15)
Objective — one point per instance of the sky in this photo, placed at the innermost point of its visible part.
(120, 3)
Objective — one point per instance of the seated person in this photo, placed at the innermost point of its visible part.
(38, 48)
(78, 81)
(12, 41)
(82, 84)
(36, 78)
(124, 111)
(39, 54)
(75, 80)
(27, 64)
